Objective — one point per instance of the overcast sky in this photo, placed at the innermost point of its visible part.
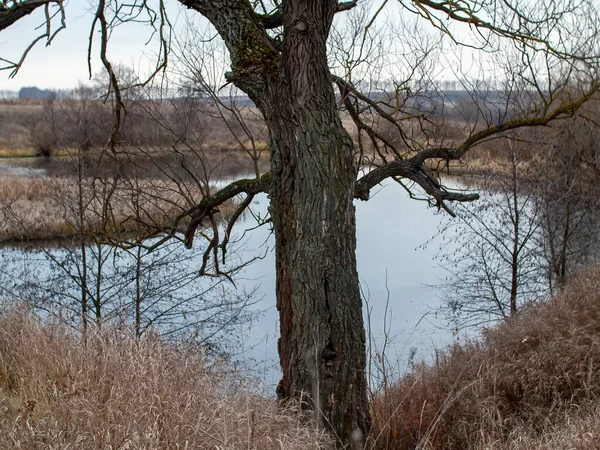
(64, 63)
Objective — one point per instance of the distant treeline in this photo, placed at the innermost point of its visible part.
(33, 92)
(452, 88)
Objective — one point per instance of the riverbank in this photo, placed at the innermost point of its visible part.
(532, 382)
(62, 197)
(113, 391)
(28, 152)
(33, 152)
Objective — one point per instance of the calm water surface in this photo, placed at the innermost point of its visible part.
(394, 268)
(395, 272)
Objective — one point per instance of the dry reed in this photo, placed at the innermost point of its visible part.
(44, 207)
(532, 382)
(57, 392)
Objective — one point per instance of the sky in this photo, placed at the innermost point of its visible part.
(64, 63)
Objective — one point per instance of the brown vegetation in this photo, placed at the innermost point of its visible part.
(133, 191)
(27, 128)
(170, 156)
(532, 382)
(113, 391)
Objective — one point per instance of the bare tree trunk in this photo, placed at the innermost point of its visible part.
(313, 166)
(83, 245)
(84, 289)
(313, 178)
(322, 347)
(138, 293)
(561, 271)
(98, 300)
(514, 279)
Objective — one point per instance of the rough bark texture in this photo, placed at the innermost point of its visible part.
(313, 177)
(10, 15)
(322, 346)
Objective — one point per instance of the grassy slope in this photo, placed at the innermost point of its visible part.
(533, 382)
(117, 393)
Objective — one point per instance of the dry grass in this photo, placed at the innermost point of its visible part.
(533, 382)
(7, 152)
(578, 429)
(16, 123)
(46, 207)
(113, 392)
(28, 209)
(15, 187)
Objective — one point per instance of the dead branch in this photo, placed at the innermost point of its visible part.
(18, 10)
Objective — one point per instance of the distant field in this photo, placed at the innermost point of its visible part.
(28, 128)
(17, 152)
(16, 126)
(20, 106)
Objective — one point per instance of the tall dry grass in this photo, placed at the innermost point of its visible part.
(113, 392)
(531, 382)
(45, 207)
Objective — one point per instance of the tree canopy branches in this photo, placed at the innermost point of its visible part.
(255, 59)
(11, 11)
(549, 57)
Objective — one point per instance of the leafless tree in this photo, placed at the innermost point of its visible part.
(279, 57)
(492, 251)
(567, 190)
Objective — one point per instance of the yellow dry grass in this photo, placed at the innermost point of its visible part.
(532, 383)
(43, 207)
(114, 392)
(22, 152)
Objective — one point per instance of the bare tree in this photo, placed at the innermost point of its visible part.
(567, 190)
(494, 259)
(279, 57)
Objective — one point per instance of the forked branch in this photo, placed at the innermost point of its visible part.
(18, 10)
(275, 19)
(416, 168)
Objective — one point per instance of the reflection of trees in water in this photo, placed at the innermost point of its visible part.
(174, 154)
(129, 289)
(536, 223)
(89, 282)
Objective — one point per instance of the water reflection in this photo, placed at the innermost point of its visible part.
(25, 167)
(393, 267)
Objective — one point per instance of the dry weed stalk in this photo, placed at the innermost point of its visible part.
(532, 382)
(114, 391)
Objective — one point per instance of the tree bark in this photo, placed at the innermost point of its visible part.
(313, 177)
(10, 15)
(514, 279)
(314, 169)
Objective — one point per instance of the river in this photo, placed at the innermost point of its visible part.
(396, 271)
